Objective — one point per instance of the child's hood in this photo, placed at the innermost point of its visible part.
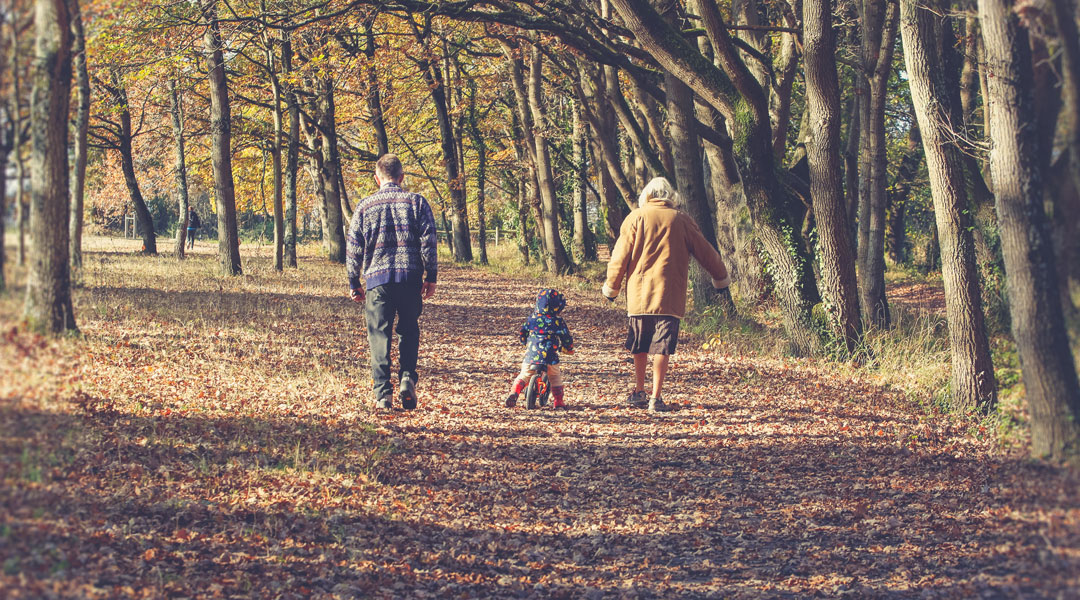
(549, 302)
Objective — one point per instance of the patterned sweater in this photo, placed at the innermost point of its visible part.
(391, 239)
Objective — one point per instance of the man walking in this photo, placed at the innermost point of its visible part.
(392, 263)
(656, 242)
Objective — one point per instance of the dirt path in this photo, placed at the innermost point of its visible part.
(770, 480)
(241, 463)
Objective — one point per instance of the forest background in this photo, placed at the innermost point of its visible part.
(814, 144)
(842, 156)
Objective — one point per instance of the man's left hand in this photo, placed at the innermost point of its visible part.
(357, 295)
(427, 290)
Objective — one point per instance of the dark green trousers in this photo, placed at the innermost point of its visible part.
(383, 303)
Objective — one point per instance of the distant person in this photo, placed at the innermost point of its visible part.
(193, 224)
(545, 334)
(652, 254)
(392, 261)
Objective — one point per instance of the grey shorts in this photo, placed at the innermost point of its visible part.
(654, 334)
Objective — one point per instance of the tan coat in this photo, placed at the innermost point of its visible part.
(653, 254)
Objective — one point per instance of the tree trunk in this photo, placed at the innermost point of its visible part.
(690, 178)
(481, 173)
(374, 99)
(48, 306)
(737, 94)
(851, 172)
(180, 170)
(277, 146)
(905, 176)
(525, 238)
(606, 138)
(648, 110)
(82, 125)
(6, 144)
(836, 265)
(584, 242)
(879, 32)
(650, 164)
(221, 145)
(780, 100)
(329, 169)
(292, 156)
(1066, 200)
(454, 177)
(556, 258)
(1046, 362)
(973, 384)
(127, 166)
(315, 168)
(21, 209)
(734, 231)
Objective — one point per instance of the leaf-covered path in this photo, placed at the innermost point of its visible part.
(209, 441)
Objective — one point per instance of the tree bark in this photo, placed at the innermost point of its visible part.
(584, 242)
(973, 384)
(455, 178)
(879, 39)
(292, 156)
(82, 124)
(896, 236)
(648, 109)
(48, 307)
(738, 96)
(21, 208)
(606, 136)
(276, 148)
(374, 98)
(556, 259)
(690, 178)
(127, 166)
(1066, 192)
(1046, 361)
(780, 100)
(221, 144)
(851, 169)
(180, 169)
(6, 144)
(481, 173)
(836, 265)
(329, 171)
(525, 240)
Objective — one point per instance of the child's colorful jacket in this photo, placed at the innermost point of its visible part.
(545, 332)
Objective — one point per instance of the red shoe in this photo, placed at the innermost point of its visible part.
(559, 404)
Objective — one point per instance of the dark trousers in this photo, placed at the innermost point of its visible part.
(191, 237)
(383, 303)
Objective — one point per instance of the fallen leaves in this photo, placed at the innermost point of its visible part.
(214, 441)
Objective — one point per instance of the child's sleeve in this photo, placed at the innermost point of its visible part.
(566, 341)
(523, 333)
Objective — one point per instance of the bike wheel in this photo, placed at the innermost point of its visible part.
(545, 390)
(532, 391)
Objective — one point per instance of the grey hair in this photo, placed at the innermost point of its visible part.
(658, 188)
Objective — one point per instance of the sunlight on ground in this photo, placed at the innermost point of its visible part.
(210, 436)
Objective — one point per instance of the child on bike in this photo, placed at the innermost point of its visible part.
(545, 334)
